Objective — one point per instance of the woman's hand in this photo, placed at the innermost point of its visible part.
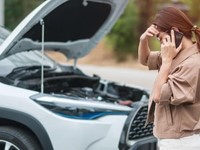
(143, 48)
(150, 32)
(168, 48)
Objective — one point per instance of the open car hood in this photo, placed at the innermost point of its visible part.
(72, 27)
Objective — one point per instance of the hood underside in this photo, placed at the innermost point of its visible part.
(72, 27)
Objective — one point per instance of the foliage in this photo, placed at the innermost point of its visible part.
(124, 35)
(15, 10)
(193, 10)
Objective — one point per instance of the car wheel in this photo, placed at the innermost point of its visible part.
(12, 138)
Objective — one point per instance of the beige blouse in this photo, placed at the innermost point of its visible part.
(178, 112)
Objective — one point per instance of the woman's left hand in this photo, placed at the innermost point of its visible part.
(168, 48)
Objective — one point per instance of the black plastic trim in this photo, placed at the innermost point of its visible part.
(147, 143)
(30, 122)
(123, 145)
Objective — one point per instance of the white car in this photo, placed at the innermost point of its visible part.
(48, 106)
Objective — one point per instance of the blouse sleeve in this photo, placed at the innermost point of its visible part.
(154, 60)
(181, 87)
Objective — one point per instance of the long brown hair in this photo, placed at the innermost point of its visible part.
(170, 17)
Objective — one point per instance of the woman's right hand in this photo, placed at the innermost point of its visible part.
(143, 48)
(150, 32)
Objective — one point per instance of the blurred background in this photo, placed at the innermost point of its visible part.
(119, 47)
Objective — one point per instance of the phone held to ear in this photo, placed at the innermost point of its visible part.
(178, 38)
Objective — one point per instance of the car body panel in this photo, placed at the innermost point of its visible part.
(100, 130)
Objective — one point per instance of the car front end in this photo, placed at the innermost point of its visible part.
(49, 106)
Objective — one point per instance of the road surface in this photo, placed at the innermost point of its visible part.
(141, 78)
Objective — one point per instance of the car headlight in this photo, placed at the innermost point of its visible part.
(79, 108)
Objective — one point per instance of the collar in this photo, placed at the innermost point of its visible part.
(184, 54)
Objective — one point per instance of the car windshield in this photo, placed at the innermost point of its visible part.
(22, 59)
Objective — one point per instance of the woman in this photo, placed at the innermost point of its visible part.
(174, 104)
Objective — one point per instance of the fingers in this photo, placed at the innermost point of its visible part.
(154, 28)
(166, 40)
(152, 31)
(168, 49)
(172, 37)
(179, 48)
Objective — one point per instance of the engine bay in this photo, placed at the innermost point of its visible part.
(76, 85)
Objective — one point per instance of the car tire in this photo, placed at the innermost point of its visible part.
(17, 139)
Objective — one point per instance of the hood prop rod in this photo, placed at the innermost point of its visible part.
(75, 63)
(42, 59)
(85, 3)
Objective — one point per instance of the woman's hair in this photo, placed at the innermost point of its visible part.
(170, 17)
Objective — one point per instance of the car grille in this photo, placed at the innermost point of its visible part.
(137, 126)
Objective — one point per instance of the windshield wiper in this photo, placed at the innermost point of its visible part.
(28, 70)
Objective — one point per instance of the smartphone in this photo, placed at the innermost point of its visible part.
(178, 38)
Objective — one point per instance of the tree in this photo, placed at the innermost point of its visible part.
(194, 10)
(124, 34)
(15, 10)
